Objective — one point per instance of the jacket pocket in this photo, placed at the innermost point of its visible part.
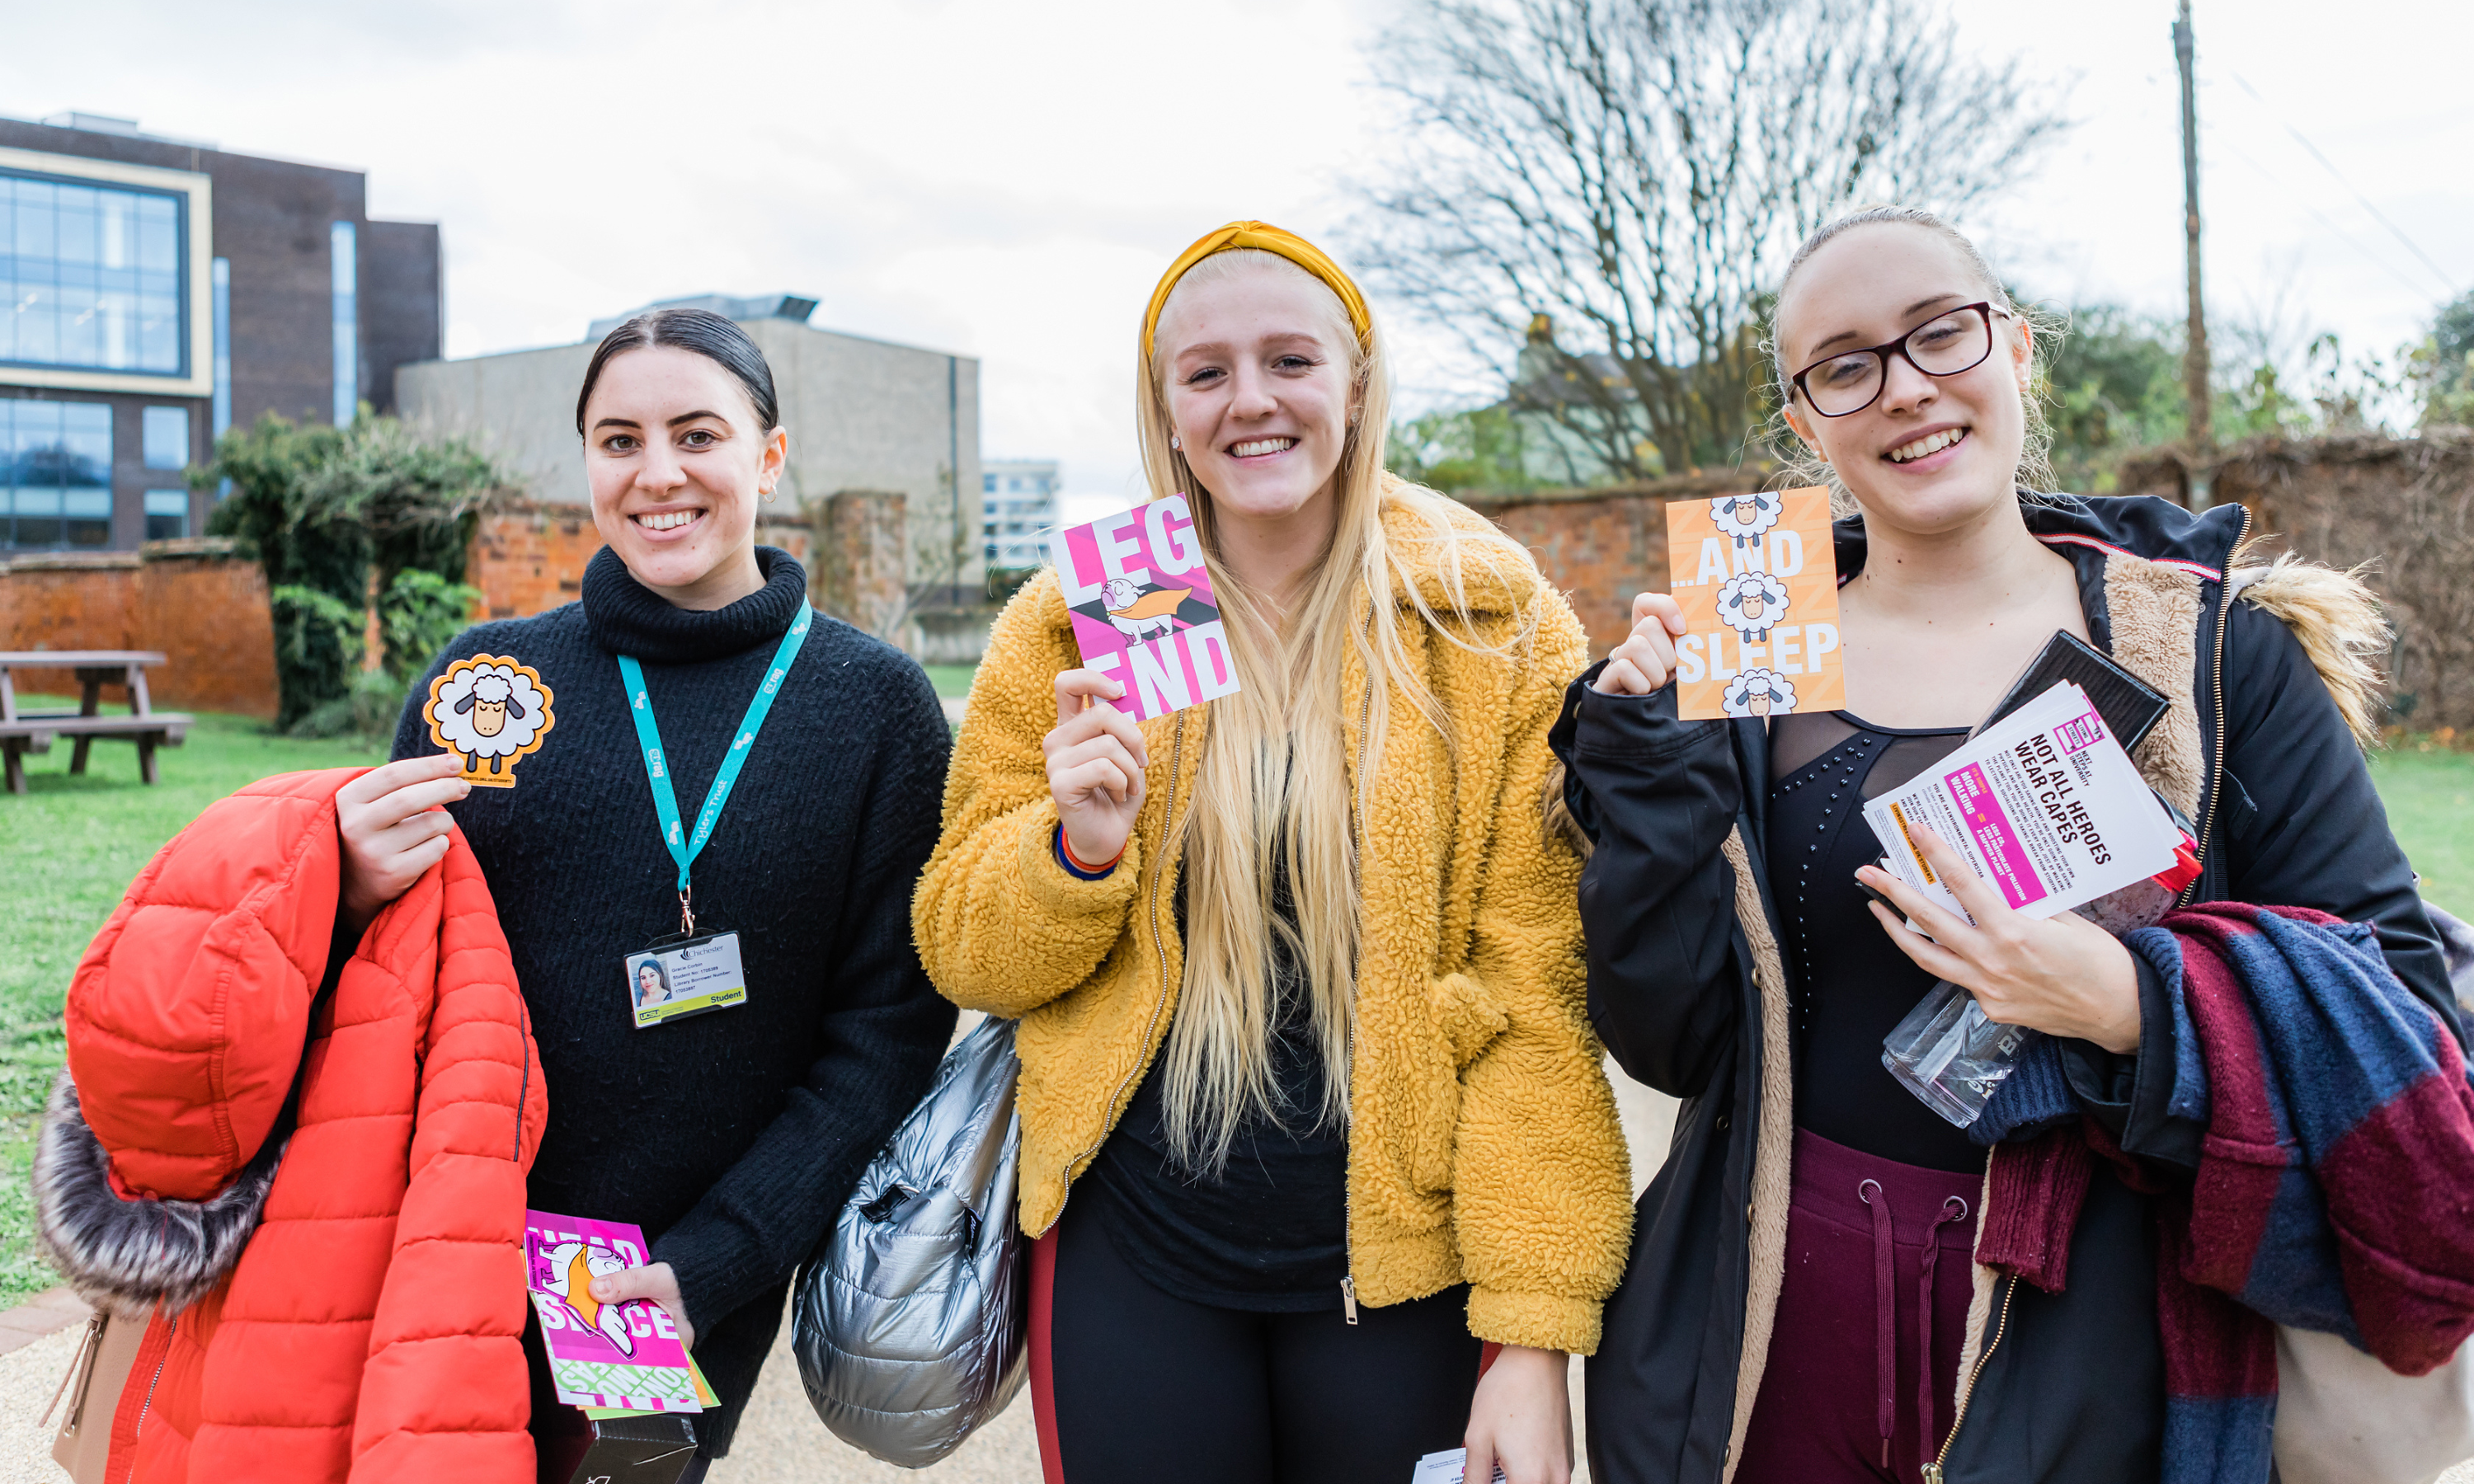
(1467, 1014)
(1470, 1019)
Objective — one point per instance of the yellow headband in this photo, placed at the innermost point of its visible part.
(1266, 237)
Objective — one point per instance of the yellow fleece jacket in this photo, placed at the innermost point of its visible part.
(1483, 1143)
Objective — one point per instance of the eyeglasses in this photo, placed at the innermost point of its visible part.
(1954, 341)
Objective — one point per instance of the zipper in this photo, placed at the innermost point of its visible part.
(2001, 1324)
(1348, 1047)
(2216, 774)
(1159, 868)
(139, 1430)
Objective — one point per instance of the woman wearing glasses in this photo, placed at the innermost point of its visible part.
(1800, 1303)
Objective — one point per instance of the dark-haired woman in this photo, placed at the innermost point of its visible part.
(1801, 1307)
(665, 785)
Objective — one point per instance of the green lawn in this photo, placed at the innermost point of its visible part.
(69, 849)
(2430, 797)
(952, 681)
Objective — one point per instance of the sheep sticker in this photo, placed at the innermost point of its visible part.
(1140, 614)
(1745, 517)
(1752, 603)
(489, 709)
(1759, 693)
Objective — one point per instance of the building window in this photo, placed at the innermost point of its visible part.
(92, 277)
(167, 437)
(167, 514)
(223, 344)
(344, 252)
(55, 473)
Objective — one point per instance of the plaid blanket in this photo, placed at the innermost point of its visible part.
(2336, 1185)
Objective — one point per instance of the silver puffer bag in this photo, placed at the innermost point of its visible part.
(911, 1322)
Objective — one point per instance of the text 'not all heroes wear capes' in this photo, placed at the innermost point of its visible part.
(732, 1138)
(1687, 983)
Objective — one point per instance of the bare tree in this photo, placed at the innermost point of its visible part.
(1597, 195)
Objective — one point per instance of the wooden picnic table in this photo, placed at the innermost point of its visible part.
(32, 731)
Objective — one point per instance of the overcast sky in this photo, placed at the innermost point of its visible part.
(1007, 180)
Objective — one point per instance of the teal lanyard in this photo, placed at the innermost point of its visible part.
(685, 848)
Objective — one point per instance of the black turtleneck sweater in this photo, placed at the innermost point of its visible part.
(732, 1138)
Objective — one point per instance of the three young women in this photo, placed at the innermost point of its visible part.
(1324, 1170)
(1800, 1296)
(731, 1136)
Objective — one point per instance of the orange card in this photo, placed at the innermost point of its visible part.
(1757, 581)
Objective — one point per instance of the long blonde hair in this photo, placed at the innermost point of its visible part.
(1274, 770)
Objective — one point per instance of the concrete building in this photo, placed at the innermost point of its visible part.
(862, 415)
(1018, 500)
(155, 290)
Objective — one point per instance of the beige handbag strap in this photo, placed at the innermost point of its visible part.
(81, 1368)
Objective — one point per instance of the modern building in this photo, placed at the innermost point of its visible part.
(155, 290)
(863, 415)
(1018, 506)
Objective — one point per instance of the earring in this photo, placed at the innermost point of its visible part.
(1175, 443)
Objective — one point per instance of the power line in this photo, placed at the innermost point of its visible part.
(2421, 291)
(2445, 277)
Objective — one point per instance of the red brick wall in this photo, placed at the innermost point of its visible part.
(209, 617)
(203, 607)
(207, 611)
(1599, 546)
(67, 602)
(529, 558)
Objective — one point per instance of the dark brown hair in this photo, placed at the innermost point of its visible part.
(709, 335)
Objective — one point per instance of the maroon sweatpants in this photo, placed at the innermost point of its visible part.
(1863, 1362)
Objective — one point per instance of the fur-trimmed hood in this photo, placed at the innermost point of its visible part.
(126, 1256)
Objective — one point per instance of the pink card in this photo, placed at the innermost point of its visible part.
(1144, 613)
(625, 1356)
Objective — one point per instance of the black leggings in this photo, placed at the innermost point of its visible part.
(1132, 1386)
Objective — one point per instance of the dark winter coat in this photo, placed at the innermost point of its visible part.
(731, 1138)
(1688, 990)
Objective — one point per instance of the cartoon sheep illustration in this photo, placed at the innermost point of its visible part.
(1759, 693)
(489, 707)
(1138, 614)
(572, 1266)
(1745, 517)
(1752, 603)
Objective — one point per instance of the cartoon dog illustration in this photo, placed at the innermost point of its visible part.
(489, 707)
(1752, 603)
(1139, 614)
(1745, 517)
(572, 1268)
(1759, 693)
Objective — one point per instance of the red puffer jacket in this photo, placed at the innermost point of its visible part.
(336, 1291)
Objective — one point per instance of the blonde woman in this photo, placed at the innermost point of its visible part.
(1299, 975)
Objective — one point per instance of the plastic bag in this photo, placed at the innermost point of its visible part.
(1949, 1056)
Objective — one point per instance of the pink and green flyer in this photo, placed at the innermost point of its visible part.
(625, 1356)
(1144, 613)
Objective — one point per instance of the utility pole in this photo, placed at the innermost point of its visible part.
(2198, 431)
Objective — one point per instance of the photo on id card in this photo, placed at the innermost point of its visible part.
(672, 981)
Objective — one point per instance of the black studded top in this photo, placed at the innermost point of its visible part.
(1849, 984)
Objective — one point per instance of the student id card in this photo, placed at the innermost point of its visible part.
(674, 980)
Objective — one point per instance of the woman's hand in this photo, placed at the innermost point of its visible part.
(2062, 976)
(1520, 1420)
(1642, 663)
(654, 1281)
(1096, 759)
(393, 829)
